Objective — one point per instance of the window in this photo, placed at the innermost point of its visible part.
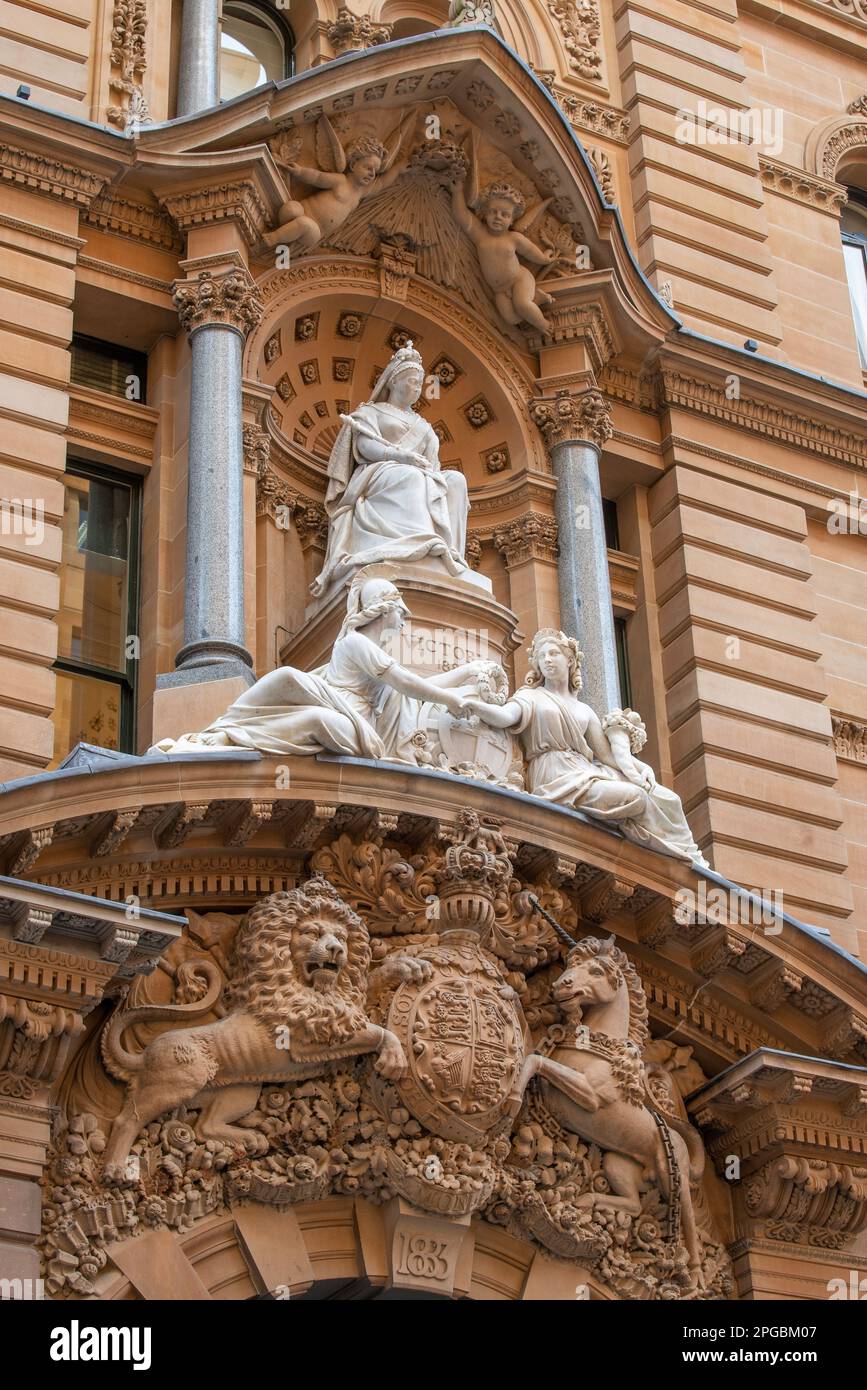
(854, 228)
(623, 662)
(108, 367)
(96, 662)
(256, 46)
(612, 530)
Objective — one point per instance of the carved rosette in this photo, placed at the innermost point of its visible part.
(212, 301)
(352, 32)
(567, 418)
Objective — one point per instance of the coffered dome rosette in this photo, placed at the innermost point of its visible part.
(326, 336)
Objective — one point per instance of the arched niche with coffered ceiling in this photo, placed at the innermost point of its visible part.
(326, 335)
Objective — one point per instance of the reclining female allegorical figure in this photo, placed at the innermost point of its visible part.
(363, 704)
(577, 759)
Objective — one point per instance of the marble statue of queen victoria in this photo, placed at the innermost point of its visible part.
(388, 498)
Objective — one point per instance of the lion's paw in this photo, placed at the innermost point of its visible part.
(415, 969)
(391, 1062)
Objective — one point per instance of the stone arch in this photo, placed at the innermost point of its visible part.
(837, 150)
(327, 290)
(337, 1247)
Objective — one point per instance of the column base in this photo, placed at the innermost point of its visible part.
(197, 657)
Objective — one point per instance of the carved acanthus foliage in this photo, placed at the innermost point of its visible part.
(785, 1119)
(228, 299)
(850, 739)
(604, 173)
(351, 32)
(529, 537)
(580, 27)
(566, 417)
(795, 1195)
(128, 58)
(257, 449)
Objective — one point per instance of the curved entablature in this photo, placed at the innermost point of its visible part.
(459, 95)
(178, 830)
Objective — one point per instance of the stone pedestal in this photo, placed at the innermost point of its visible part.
(181, 708)
(453, 621)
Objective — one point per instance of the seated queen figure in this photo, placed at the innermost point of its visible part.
(388, 498)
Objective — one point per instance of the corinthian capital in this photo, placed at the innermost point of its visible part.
(351, 32)
(529, 537)
(228, 299)
(581, 418)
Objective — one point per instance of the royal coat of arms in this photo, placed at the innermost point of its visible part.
(463, 1036)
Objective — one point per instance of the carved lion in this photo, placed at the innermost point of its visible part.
(296, 1001)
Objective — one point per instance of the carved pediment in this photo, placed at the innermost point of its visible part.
(459, 88)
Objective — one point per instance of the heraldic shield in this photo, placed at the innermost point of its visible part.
(464, 1042)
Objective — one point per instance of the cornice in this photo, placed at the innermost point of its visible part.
(74, 243)
(42, 174)
(586, 114)
(776, 421)
(126, 418)
(122, 272)
(238, 202)
(623, 572)
(135, 221)
(782, 420)
(850, 739)
(800, 187)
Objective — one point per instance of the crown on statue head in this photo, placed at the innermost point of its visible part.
(407, 356)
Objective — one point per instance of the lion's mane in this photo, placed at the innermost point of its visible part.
(264, 979)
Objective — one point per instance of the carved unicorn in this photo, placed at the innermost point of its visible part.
(592, 1080)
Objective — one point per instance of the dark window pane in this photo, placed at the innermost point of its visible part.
(622, 661)
(94, 584)
(612, 534)
(107, 367)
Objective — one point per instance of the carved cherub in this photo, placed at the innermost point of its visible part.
(345, 180)
(497, 233)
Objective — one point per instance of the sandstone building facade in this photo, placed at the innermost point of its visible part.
(670, 470)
